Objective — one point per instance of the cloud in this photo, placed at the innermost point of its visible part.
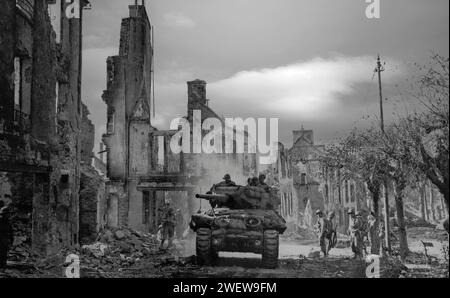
(304, 89)
(178, 19)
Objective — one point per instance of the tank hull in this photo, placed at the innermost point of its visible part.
(242, 219)
(245, 220)
(239, 230)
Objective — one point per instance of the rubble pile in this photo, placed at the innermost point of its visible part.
(127, 241)
(418, 265)
(391, 267)
(116, 249)
(21, 247)
(115, 252)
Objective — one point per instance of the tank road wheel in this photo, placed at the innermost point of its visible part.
(203, 247)
(270, 249)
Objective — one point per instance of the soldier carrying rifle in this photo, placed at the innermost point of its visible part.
(325, 232)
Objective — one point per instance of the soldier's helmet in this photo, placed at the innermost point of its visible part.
(318, 212)
(331, 214)
(351, 211)
(358, 213)
(227, 177)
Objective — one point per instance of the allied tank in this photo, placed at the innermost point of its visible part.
(241, 219)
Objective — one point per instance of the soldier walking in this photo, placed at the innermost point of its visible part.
(364, 230)
(332, 235)
(167, 225)
(322, 231)
(6, 235)
(354, 230)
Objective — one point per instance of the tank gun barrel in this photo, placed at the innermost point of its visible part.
(212, 197)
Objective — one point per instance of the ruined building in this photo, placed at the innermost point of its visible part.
(92, 212)
(142, 169)
(280, 175)
(304, 156)
(128, 115)
(322, 188)
(40, 120)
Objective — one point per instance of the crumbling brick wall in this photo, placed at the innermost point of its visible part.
(128, 81)
(50, 150)
(92, 200)
(92, 204)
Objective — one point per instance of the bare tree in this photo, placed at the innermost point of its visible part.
(402, 170)
(426, 132)
(358, 159)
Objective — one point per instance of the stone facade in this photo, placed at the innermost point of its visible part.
(128, 86)
(40, 130)
(128, 115)
(305, 158)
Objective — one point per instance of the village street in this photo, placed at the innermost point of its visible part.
(299, 258)
(128, 254)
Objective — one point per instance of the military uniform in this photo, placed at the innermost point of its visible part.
(168, 225)
(354, 230)
(6, 236)
(180, 224)
(323, 233)
(225, 183)
(262, 183)
(331, 236)
(364, 230)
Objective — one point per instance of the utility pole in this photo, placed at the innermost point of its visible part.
(380, 69)
(387, 229)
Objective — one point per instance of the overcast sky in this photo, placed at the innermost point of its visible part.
(307, 62)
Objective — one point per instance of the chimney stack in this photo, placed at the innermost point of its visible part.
(197, 92)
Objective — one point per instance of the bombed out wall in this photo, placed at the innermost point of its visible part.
(40, 130)
(128, 90)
